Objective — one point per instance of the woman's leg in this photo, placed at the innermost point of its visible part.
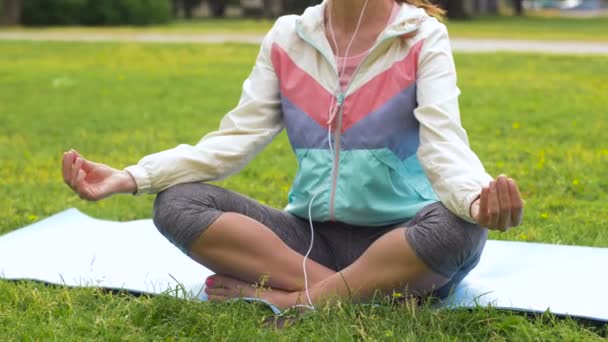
(241, 247)
(238, 237)
(389, 264)
(418, 259)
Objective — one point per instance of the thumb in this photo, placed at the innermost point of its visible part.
(87, 165)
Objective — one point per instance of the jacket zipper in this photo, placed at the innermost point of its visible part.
(335, 167)
(340, 101)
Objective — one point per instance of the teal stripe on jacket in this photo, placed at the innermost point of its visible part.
(374, 187)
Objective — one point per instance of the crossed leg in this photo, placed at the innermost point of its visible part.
(239, 247)
(238, 237)
(223, 231)
(389, 264)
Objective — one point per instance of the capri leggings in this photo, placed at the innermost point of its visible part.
(447, 244)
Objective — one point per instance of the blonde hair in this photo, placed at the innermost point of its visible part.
(430, 8)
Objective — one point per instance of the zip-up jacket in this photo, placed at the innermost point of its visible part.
(395, 145)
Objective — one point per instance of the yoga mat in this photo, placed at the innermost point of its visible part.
(73, 249)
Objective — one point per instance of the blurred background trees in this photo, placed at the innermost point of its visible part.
(518, 7)
(217, 7)
(456, 9)
(85, 12)
(10, 12)
(145, 12)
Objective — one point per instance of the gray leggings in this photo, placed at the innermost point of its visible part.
(447, 244)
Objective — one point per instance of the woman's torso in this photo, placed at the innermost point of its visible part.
(366, 171)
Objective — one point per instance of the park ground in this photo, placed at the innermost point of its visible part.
(539, 118)
(534, 28)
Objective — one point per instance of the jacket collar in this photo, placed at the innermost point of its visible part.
(409, 19)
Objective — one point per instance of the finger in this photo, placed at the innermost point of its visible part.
(66, 167)
(493, 206)
(75, 168)
(79, 184)
(72, 161)
(517, 204)
(504, 221)
(483, 207)
(87, 165)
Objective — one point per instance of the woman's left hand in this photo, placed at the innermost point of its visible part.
(499, 207)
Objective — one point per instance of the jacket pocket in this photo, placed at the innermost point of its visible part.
(312, 177)
(297, 188)
(406, 173)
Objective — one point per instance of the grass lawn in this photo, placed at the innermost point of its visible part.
(540, 119)
(531, 27)
(536, 28)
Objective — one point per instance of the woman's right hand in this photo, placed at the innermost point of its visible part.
(499, 206)
(94, 181)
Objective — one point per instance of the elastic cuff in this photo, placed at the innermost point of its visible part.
(471, 205)
(468, 201)
(142, 179)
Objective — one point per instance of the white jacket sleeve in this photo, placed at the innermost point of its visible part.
(242, 134)
(454, 170)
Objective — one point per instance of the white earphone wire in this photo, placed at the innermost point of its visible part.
(331, 118)
(341, 72)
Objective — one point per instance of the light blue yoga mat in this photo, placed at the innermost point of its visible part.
(71, 248)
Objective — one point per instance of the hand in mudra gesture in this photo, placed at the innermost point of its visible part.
(94, 181)
(500, 206)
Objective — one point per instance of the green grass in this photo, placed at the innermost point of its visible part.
(540, 119)
(530, 27)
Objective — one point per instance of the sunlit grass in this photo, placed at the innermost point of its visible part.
(540, 119)
(532, 27)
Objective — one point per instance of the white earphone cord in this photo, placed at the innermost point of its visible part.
(331, 110)
(340, 72)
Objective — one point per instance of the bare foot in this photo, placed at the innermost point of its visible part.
(222, 288)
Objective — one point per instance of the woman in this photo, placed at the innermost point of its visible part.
(388, 194)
